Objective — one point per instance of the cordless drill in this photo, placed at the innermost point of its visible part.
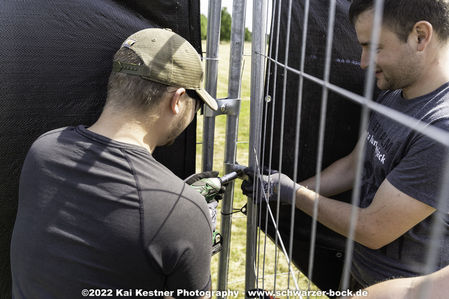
(210, 188)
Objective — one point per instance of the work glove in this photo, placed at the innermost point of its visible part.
(202, 175)
(269, 186)
(212, 204)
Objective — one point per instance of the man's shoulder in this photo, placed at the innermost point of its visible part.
(438, 110)
(54, 132)
(160, 186)
(46, 143)
(51, 136)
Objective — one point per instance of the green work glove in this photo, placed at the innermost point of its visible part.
(199, 182)
(201, 175)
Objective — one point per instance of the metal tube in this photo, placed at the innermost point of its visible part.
(262, 158)
(257, 79)
(234, 83)
(213, 40)
(273, 108)
(298, 121)
(436, 233)
(324, 98)
(369, 87)
(281, 141)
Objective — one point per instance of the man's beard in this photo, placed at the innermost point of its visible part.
(176, 130)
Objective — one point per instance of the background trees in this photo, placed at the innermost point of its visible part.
(225, 27)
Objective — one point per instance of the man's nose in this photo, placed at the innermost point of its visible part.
(364, 59)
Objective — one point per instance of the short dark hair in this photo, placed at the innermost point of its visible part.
(402, 15)
(129, 91)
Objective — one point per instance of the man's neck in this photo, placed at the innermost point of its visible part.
(124, 128)
(418, 90)
(435, 75)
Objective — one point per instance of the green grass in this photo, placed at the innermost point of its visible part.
(236, 274)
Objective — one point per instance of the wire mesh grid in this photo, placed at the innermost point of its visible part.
(261, 148)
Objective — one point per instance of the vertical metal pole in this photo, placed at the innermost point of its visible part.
(257, 80)
(436, 233)
(298, 122)
(261, 276)
(368, 94)
(235, 70)
(322, 126)
(213, 40)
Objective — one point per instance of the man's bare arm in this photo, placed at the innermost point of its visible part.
(338, 177)
(390, 215)
(434, 286)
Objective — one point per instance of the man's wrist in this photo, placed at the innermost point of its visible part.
(299, 189)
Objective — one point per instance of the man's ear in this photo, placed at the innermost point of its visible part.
(422, 34)
(175, 100)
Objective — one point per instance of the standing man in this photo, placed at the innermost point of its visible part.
(402, 169)
(98, 215)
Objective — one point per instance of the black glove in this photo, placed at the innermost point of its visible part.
(269, 186)
(248, 180)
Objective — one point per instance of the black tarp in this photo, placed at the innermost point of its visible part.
(55, 59)
(341, 129)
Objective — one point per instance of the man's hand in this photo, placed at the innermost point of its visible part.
(195, 178)
(211, 203)
(269, 186)
(198, 176)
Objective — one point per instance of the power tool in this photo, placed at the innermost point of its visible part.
(210, 188)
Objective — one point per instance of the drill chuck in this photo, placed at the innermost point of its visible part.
(228, 177)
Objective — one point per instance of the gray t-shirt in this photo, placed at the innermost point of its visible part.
(413, 163)
(95, 213)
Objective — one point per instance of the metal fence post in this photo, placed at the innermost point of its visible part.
(234, 84)
(213, 40)
(257, 82)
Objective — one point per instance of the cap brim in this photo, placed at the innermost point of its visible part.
(206, 97)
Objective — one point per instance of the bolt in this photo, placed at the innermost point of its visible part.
(224, 108)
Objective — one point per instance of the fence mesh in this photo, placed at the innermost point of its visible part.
(315, 104)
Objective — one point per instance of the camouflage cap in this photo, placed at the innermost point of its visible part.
(168, 59)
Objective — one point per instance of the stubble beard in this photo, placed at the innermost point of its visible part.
(401, 75)
(177, 129)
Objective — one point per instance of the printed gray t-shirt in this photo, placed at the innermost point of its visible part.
(99, 214)
(413, 164)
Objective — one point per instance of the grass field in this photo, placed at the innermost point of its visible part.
(236, 276)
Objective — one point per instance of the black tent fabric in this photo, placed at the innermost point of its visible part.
(341, 125)
(56, 57)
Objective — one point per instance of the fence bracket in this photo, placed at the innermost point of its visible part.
(225, 106)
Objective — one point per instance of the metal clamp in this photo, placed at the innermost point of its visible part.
(225, 106)
(229, 167)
